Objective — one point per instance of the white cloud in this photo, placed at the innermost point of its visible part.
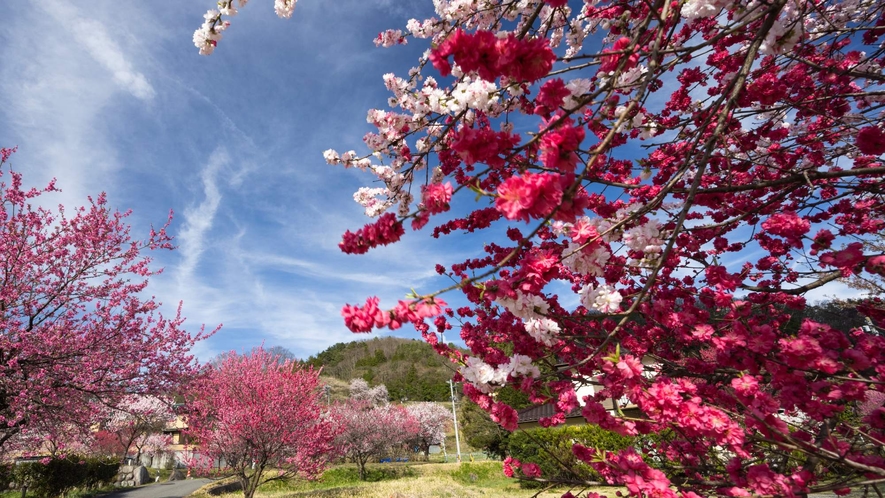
(198, 219)
(112, 97)
(94, 37)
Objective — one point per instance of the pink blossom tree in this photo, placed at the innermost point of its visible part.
(430, 425)
(75, 328)
(50, 437)
(136, 421)
(157, 446)
(659, 184)
(367, 431)
(261, 418)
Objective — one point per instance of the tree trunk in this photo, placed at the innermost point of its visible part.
(248, 492)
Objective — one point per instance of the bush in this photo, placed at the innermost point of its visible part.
(551, 449)
(99, 472)
(57, 476)
(6, 476)
(344, 475)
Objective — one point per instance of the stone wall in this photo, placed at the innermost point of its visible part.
(131, 475)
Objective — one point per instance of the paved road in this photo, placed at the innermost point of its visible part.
(174, 489)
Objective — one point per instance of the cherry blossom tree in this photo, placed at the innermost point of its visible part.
(75, 328)
(360, 391)
(263, 419)
(106, 444)
(367, 431)
(430, 420)
(136, 420)
(51, 437)
(157, 447)
(658, 184)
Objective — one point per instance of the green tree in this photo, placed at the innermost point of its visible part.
(478, 428)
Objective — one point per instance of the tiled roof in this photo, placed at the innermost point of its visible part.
(534, 413)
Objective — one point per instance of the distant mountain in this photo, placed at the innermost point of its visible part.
(409, 368)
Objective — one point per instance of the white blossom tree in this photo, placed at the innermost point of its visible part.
(360, 391)
(430, 420)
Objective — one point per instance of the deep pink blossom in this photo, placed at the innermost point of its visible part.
(551, 97)
(876, 265)
(437, 197)
(871, 140)
(527, 59)
(610, 62)
(559, 147)
(849, 257)
(384, 231)
(365, 318)
(529, 196)
(531, 470)
(789, 226)
(630, 367)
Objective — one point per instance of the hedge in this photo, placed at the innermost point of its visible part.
(551, 449)
(58, 476)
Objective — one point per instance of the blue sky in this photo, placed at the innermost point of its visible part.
(113, 96)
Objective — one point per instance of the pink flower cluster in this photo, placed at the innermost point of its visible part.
(386, 230)
(529, 196)
(871, 140)
(370, 316)
(492, 57)
(436, 197)
(528, 469)
(789, 226)
(627, 468)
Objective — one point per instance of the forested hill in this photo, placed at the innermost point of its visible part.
(409, 368)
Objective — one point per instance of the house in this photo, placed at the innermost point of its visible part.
(528, 417)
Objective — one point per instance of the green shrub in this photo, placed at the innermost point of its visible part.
(551, 449)
(99, 472)
(58, 476)
(344, 475)
(6, 476)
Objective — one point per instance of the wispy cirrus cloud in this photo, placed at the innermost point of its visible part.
(93, 36)
(110, 96)
(61, 74)
(198, 219)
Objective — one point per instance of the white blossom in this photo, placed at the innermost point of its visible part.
(543, 330)
(696, 9)
(284, 8)
(525, 306)
(605, 298)
(521, 365)
(584, 261)
(331, 157)
(474, 94)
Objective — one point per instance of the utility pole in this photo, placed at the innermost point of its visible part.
(442, 339)
(455, 417)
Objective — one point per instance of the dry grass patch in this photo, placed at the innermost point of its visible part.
(432, 480)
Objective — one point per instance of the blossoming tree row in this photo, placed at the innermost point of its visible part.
(78, 340)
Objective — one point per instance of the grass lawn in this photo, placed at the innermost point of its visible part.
(442, 480)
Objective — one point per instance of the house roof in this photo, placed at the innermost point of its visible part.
(535, 413)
